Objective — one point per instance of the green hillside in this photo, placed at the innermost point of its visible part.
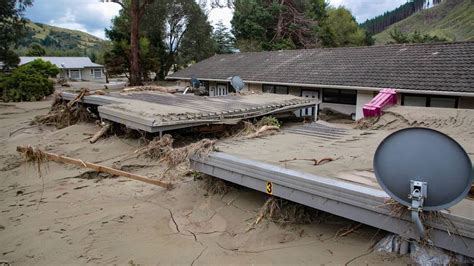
(59, 41)
(452, 19)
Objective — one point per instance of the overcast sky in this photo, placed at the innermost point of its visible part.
(93, 17)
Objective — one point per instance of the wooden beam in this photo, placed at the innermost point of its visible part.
(96, 167)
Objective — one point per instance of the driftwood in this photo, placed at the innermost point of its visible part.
(100, 133)
(264, 131)
(99, 168)
(348, 231)
(315, 161)
(79, 97)
(149, 88)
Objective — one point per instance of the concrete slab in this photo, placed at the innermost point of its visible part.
(157, 111)
(345, 186)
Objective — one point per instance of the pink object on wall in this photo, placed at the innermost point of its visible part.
(384, 98)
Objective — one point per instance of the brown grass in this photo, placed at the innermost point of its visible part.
(399, 210)
(215, 185)
(180, 155)
(396, 209)
(39, 160)
(284, 212)
(162, 149)
(36, 157)
(158, 147)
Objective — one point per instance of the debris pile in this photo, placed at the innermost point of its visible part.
(64, 114)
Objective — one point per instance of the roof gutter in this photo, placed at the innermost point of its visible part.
(359, 88)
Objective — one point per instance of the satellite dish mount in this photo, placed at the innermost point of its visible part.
(419, 191)
(411, 160)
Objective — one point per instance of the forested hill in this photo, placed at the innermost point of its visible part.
(59, 41)
(451, 19)
(380, 23)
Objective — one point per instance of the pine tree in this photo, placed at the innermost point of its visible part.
(223, 39)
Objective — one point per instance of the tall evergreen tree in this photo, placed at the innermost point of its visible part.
(223, 39)
(415, 37)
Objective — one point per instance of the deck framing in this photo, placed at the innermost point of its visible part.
(349, 200)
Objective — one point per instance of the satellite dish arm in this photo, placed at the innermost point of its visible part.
(418, 193)
(415, 217)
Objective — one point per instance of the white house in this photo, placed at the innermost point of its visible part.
(344, 79)
(72, 68)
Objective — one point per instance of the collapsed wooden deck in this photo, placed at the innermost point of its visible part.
(336, 187)
(158, 112)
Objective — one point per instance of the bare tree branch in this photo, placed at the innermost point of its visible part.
(114, 1)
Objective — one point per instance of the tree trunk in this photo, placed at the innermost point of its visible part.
(135, 77)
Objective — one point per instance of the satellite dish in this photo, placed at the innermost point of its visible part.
(237, 83)
(423, 169)
(195, 83)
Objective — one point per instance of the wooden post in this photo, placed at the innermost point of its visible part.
(96, 167)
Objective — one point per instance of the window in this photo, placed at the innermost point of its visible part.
(443, 102)
(277, 89)
(340, 96)
(75, 74)
(268, 88)
(98, 73)
(410, 100)
(281, 89)
(430, 101)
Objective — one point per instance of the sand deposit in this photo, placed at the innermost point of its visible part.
(445, 119)
(90, 218)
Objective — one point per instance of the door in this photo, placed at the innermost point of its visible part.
(221, 90)
(309, 94)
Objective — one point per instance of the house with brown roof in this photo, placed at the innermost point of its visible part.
(344, 79)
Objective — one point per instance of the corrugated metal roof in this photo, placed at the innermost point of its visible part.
(447, 67)
(62, 62)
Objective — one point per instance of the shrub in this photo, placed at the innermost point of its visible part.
(29, 82)
(43, 67)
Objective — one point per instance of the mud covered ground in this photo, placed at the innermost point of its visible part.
(74, 216)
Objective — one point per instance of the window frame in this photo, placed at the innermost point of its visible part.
(339, 96)
(428, 99)
(74, 71)
(273, 88)
(97, 70)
